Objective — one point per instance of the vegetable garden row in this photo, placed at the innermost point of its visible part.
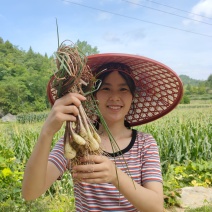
(184, 138)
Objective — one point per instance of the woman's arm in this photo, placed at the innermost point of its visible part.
(39, 173)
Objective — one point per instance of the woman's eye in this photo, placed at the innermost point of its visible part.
(124, 89)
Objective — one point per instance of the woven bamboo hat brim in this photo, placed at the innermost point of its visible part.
(158, 88)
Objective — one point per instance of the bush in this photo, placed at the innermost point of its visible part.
(31, 117)
(188, 173)
(185, 100)
(11, 175)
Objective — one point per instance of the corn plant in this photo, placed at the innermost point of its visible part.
(184, 134)
(184, 138)
(25, 118)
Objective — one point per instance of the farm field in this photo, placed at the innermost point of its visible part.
(184, 138)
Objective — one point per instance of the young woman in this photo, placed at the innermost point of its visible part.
(134, 90)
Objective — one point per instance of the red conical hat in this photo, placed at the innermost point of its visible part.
(158, 88)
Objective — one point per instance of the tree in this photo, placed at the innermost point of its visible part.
(24, 77)
(86, 48)
(209, 81)
(188, 89)
(201, 88)
(1, 40)
(14, 98)
(185, 99)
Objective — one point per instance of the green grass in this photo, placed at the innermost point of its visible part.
(206, 208)
(202, 102)
(201, 209)
(183, 135)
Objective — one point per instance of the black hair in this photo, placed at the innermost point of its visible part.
(123, 70)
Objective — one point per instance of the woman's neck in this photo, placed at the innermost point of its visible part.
(117, 130)
(121, 135)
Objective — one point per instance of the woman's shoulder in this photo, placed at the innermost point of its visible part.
(144, 137)
(59, 143)
(143, 134)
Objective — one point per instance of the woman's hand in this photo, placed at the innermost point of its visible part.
(64, 109)
(97, 169)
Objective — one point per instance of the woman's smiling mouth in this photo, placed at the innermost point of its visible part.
(114, 107)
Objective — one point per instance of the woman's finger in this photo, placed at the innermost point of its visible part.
(70, 109)
(86, 168)
(93, 159)
(71, 98)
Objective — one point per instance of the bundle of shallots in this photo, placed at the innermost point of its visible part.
(73, 75)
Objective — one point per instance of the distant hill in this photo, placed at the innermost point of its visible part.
(187, 80)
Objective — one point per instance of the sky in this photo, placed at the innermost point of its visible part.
(177, 33)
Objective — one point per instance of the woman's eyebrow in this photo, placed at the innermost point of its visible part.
(109, 84)
(106, 83)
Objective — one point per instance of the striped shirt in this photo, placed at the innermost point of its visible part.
(143, 165)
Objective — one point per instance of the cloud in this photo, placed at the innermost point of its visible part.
(134, 3)
(204, 7)
(111, 37)
(201, 9)
(136, 34)
(130, 36)
(102, 16)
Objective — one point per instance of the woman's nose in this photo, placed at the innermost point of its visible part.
(114, 96)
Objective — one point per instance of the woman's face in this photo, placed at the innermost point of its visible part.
(114, 98)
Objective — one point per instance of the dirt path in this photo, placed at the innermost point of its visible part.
(193, 197)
